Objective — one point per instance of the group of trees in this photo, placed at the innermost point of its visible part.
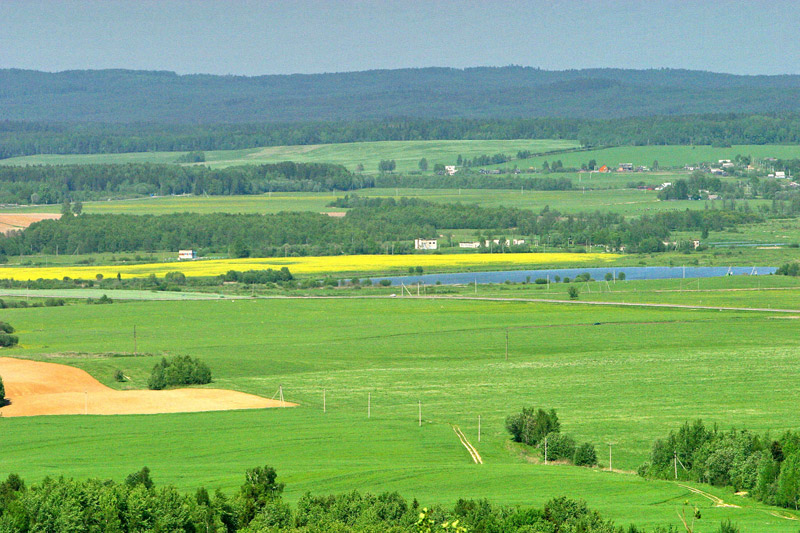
(179, 370)
(369, 226)
(138, 504)
(766, 467)
(53, 184)
(537, 427)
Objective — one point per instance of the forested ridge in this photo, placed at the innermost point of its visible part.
(482, 92)
(19, 138)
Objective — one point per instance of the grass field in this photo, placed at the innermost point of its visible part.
(630, 202)
(408, 153)
(628, 380)
(405, 153)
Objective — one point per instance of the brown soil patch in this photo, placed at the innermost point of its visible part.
(36, 388)
(19, 221)
(335, 214)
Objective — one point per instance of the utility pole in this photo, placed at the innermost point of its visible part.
(610, 444)
(675, 461)
(545, 450)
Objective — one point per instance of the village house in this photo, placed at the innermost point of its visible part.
(426, 244)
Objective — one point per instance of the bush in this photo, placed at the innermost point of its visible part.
(621, 276)
(2, 392)
(119, 376)
(104, 299)
(178, 278)
(531, 425)
(558, 446)
(7, 340)
(573, 292)
(6, 327)
(54, 302)
(585, 455)
(540, 281)
(179, 370)
(385, 282)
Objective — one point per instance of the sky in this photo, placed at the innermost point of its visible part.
(246, 37)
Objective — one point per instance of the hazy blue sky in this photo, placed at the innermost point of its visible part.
(248, 37)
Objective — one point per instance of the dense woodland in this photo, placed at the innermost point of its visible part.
(484, 92)
(29, 138)
(766, 467)
(370, 226)
(49, 184)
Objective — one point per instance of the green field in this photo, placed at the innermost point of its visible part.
(408, 153)
(630, 379)
(625, 201)
(405, 153)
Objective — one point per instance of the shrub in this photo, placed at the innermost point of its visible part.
(7, 340)
(178, 278)
(119, 376)
(558, 446)
(385, 282)
(573, 292)
(585, 455)
(540, 281)
(621, 276)
(2, 392)
(54, 302)
(531, 425)
(104, 299)
(179, 370)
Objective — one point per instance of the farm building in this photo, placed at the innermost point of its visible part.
(473, 244)
(426, 244)
(186, 255)
(450, 170)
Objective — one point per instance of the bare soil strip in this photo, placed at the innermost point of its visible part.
(19, 221)
(36, 388)
(718, 502)
(473, 452)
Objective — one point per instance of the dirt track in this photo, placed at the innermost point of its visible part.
(36, 388)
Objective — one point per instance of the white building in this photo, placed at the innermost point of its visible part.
(473, 244)
(425, 244)
(186, 254)
(450, 170)
(780, 174)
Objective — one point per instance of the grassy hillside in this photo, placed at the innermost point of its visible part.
(630, 379)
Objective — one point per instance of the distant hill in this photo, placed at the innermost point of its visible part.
(127, 96)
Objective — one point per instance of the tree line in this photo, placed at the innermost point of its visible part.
(766, 467)
(51, 184)
(30, 138)
(137, 504)
(369, 227)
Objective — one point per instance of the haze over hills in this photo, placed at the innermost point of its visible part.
(127, 96)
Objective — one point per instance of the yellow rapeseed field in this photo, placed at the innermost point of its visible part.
(307, 265)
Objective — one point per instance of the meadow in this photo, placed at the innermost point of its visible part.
(621, 375)
(629, 202)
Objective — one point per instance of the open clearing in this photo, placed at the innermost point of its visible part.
(36, 388)
(19, 221)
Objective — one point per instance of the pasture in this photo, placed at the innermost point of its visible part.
(622, 375)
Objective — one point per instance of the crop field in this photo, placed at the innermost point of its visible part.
(405, 153)
(309, 265)
(614, 374)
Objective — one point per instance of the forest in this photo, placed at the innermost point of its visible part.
(18, 138)
(129, 96)
(49, 184)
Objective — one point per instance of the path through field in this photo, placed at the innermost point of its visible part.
(473, 452)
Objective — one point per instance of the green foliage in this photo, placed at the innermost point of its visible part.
(2, 391)
(531, 425)
(104, 299)
(559, 446)
(178, 278)
(142, 477)
(259, 489)
(573, 292)
(585, 455)
(789, 269)
(119, 377)
(192, 157)
(6, 338)
(179, 370)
